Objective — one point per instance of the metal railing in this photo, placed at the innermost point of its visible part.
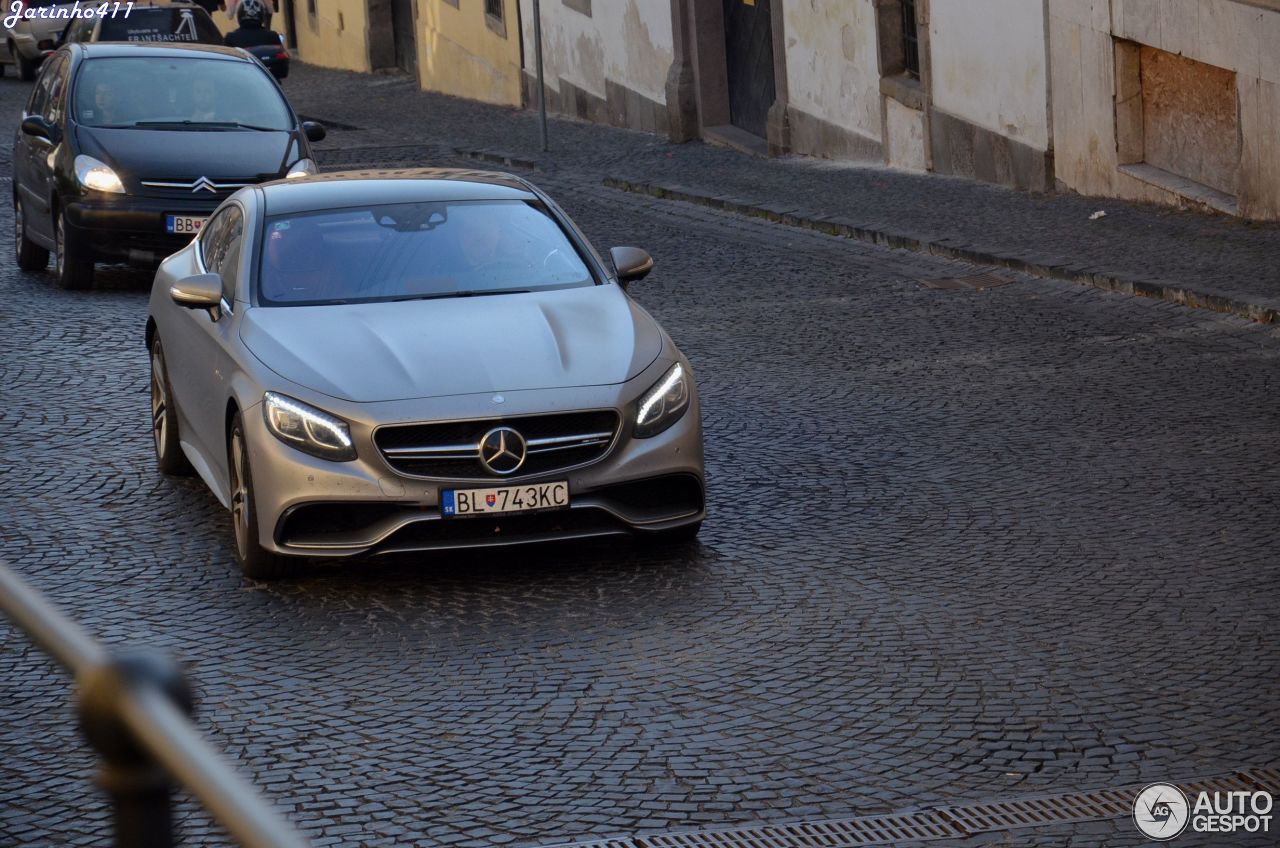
(135, 711)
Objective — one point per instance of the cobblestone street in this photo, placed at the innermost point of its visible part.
(961, 545)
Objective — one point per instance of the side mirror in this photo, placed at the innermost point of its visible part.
(200, 291)
(631, 263)
(314, 131)
(37, 126)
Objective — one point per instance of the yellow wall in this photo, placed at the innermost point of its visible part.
(336, 36)
(460, 54)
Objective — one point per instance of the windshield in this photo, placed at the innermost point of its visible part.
(163, 24)
(416, 250)
(163, 93)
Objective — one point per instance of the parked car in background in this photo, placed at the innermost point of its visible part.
(394, 361)
(34, 35)
(173, 22)
(126, 149)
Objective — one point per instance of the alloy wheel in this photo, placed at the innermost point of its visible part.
(19, 228)
(240, 503)
(159, 403)
(59, 248)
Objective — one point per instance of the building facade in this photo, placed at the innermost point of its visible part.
(1169, 101)
(1175, 103)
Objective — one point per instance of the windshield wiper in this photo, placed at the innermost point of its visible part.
(230, 125)
(440, 295)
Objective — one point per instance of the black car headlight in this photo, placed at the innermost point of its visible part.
(97, 175)
(662, 405)
(308, 429)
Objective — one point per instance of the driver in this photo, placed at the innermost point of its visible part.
(107, 103)
(298, 269)
(204, 100)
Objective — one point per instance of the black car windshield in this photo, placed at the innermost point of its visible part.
(164, 23)
(154, 92)
(412, 251)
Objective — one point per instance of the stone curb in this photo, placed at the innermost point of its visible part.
(1058, 268)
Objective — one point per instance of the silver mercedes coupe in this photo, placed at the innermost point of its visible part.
(387, 361)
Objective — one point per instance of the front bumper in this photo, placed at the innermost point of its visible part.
(315, 508)
(132, 228)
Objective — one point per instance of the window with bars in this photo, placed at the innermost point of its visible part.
(493, 8)
(910, 40)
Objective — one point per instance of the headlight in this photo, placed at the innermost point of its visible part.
(662, 406)
(307, 428)
(301, 168)
(97, 175)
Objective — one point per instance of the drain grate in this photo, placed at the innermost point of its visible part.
(973, 282)
(956, 821)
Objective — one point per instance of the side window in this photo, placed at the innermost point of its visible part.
(210, 239)
(228, 261)
(58, 90)
(220, 248)
(39, 101)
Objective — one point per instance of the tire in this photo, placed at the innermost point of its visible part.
(26, 67)
(164, 418)
(255, 562)
(72, 264)
(31, 256)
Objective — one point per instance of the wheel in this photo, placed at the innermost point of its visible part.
(72, 265)
(31, 256)
(164, 418)
(26, 67)
(255, 562)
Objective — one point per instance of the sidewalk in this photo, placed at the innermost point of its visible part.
(1210, 261)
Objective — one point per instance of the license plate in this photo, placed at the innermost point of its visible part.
(459, 502)
(184, 224)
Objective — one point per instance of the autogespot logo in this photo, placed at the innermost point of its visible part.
(1161, 811)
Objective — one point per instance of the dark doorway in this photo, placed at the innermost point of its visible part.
(290, 26)
(402, 29)
(748, 51)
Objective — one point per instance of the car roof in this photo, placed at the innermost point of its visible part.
(161, 50)
(341, 189)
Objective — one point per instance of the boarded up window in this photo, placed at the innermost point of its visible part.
(1190, 119)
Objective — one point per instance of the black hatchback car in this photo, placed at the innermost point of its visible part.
(125, 149)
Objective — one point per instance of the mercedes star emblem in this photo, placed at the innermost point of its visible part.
(502, 450)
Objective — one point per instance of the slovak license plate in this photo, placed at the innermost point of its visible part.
(184, 224)
(455, 503)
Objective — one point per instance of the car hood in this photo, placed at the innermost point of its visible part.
(221, 154)
(589, 336)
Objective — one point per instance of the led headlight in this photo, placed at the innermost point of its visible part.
(301, 168)
(662, 405)
(96, 175)
(307, 428)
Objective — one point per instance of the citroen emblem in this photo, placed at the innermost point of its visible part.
(203, 183)
(502, 450)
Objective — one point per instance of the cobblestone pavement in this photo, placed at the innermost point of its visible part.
(1213, 255)
(961, 545)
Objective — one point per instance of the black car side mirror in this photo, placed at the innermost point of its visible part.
(37, 126)
(199, 291)
(631, 263)
(314, 131)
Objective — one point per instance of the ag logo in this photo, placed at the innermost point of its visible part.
(1161, 811)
